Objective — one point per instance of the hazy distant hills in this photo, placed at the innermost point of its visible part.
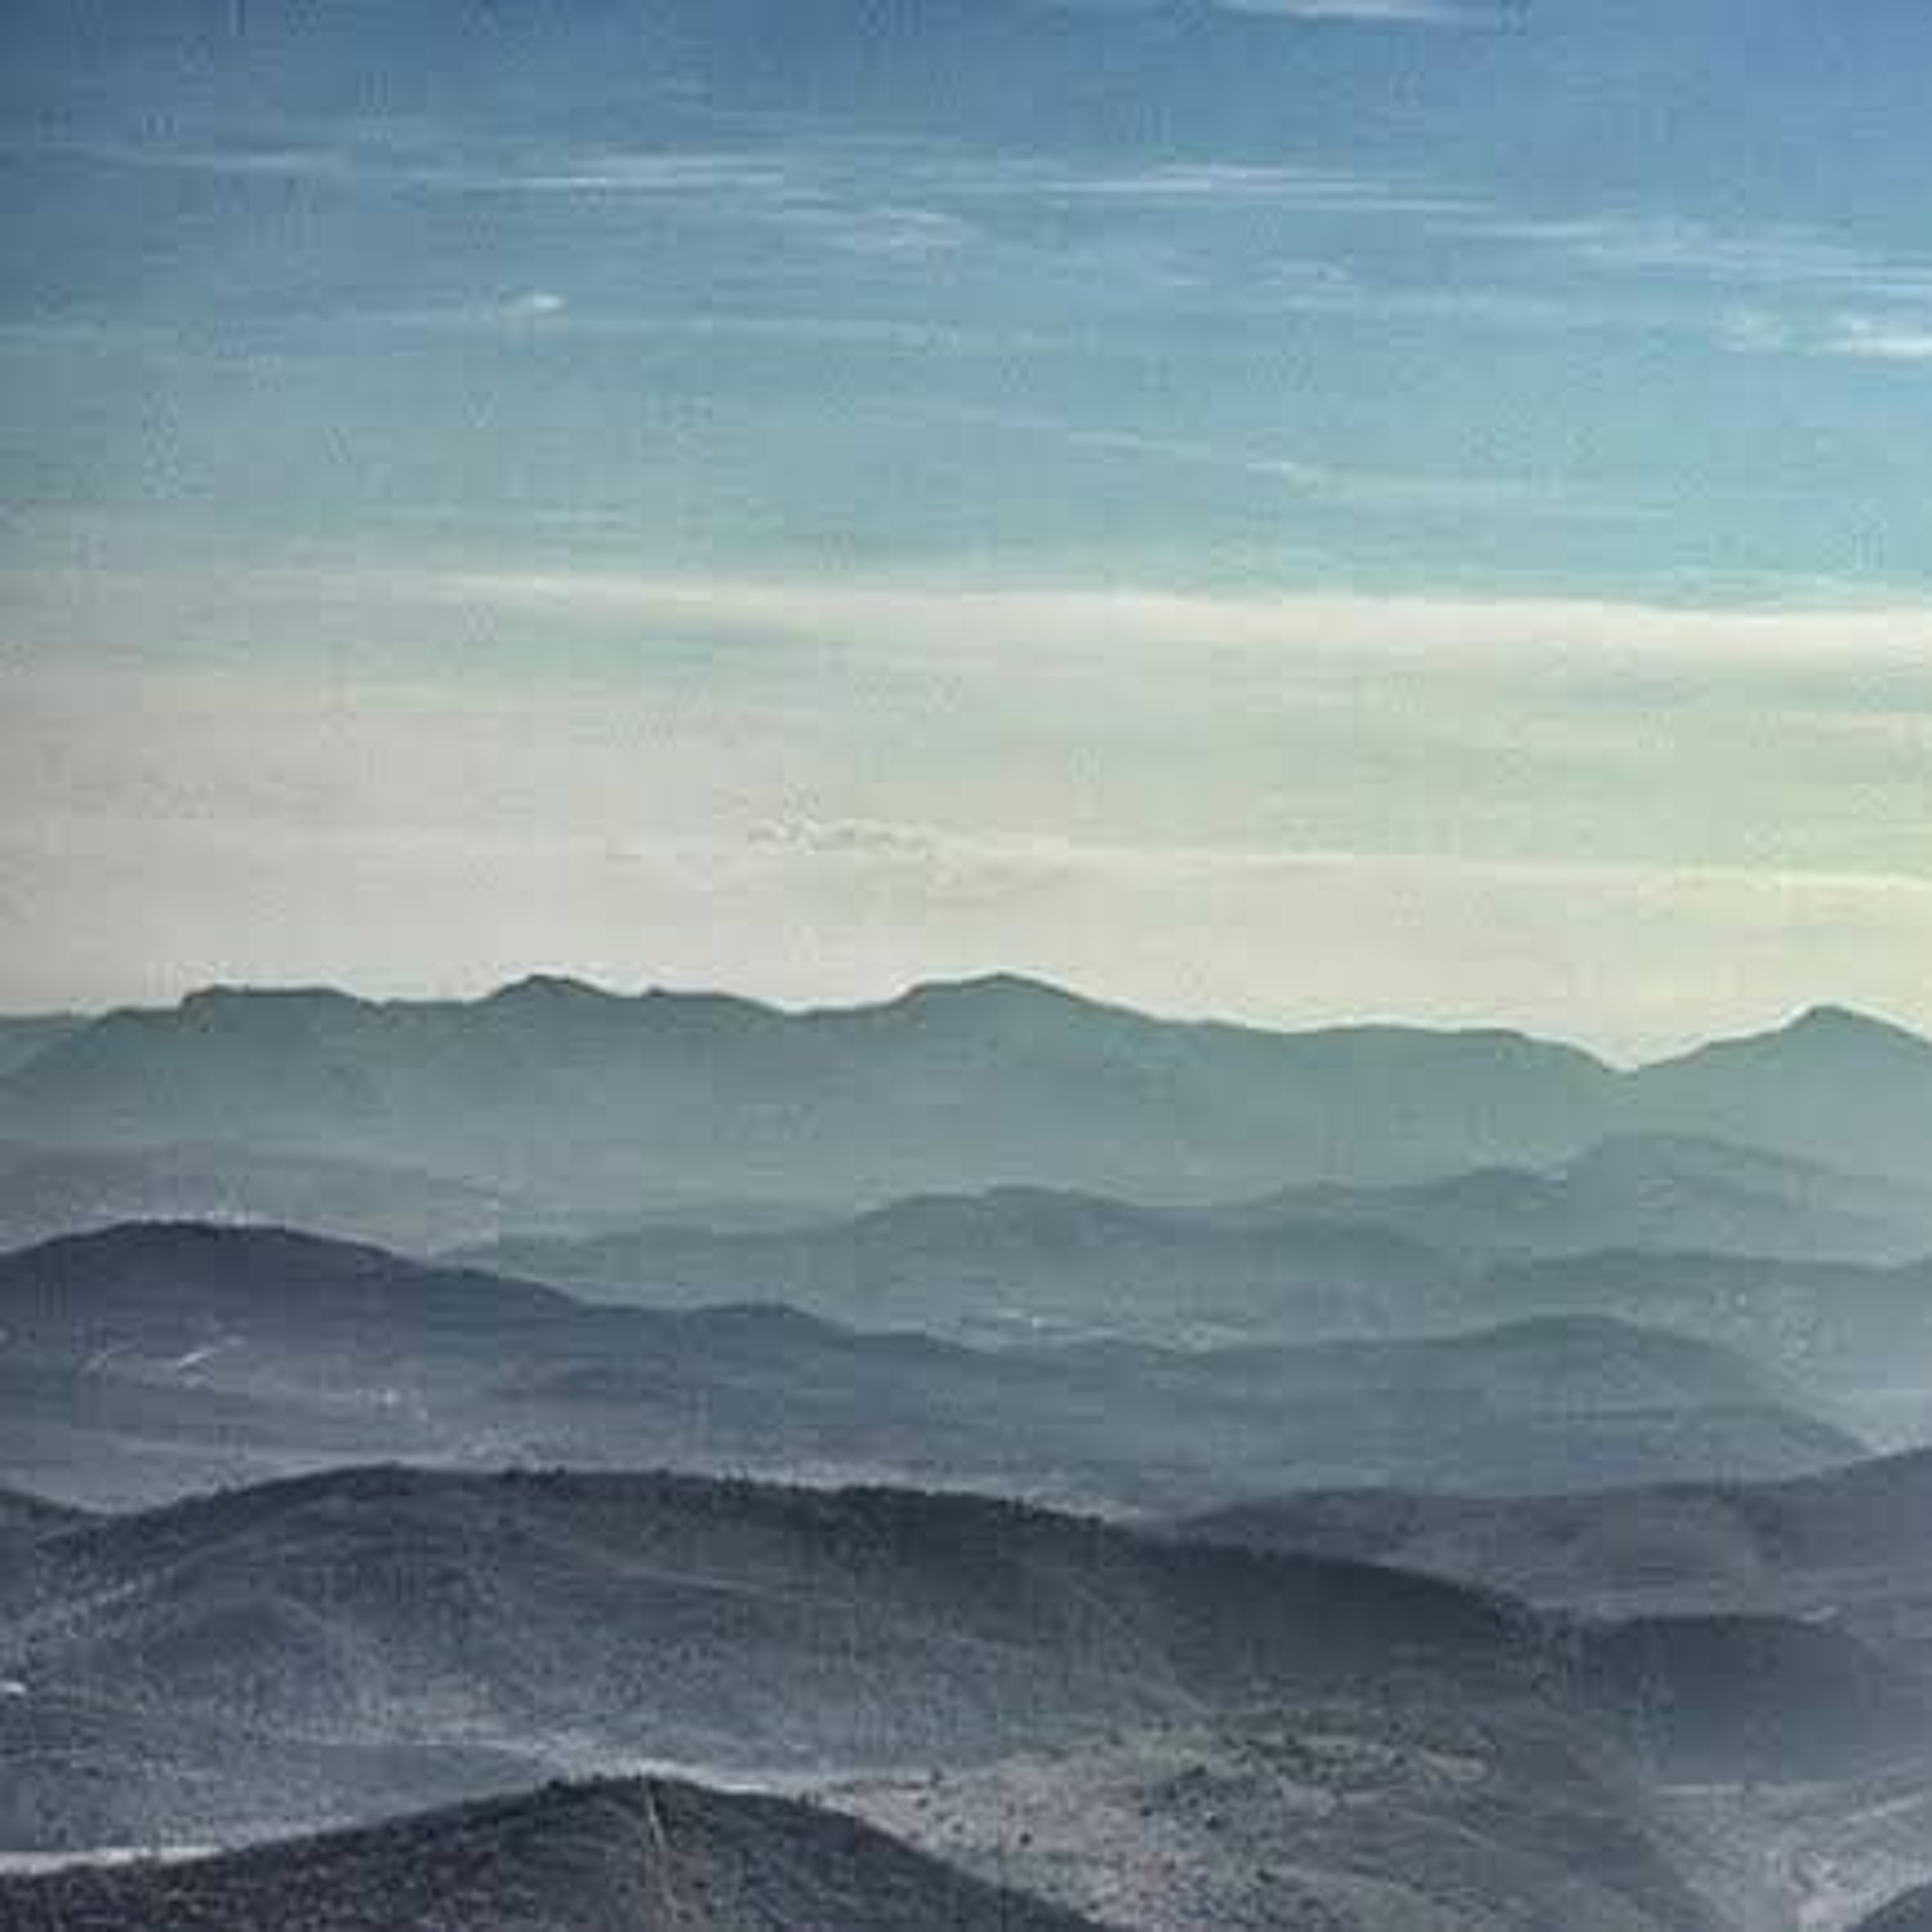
(48, 1191)
(553, 1085)
(1656, 1192)
(556, 1089)
(278, 1351)
(1853, 1543)
(1858, 1336)
(702, 1622)
(87, 1432)
(654, 1855)
(1014, 1262)
(1317, 1262)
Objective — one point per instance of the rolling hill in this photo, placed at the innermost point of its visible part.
(336, 1346)
(1670, 1191)
(729, 1624)
(1859, 1335)
(649, 1855)
(1015, 1263)
(45, 1192)
(1853, 1544)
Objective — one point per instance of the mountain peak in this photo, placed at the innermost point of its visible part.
(1828, 1025)
(548, 989)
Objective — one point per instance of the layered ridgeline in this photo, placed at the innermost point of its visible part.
(146, 1361)
(48, 1191)
(646, 1856)
(1628, 1225)
(1852, 1545)
(301, 1652)
(557, 1089)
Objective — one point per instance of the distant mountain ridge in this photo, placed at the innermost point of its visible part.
(562, 1088)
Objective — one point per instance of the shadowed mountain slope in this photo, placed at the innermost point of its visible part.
(1854, 1544)
(648, 1855)
(702, 1622)
(1910, 1912)
(731, 1623)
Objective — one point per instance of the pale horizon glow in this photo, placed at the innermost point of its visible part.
(1295, 511)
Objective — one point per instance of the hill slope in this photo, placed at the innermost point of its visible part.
(595, 1619)
(410, 1360)
(650, 1855)
(1016, 1262)
(1669, 1191)
(1852, 1544)
(1859, 1335)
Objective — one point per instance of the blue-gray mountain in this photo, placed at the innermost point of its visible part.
(565, 1617)
(1853, 1546)
(145, 1360)
(554, 1089)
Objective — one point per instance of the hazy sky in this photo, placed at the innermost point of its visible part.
(1299, 508)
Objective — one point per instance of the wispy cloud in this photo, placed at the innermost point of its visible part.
(949, 618)
(1412, 13)
(1868, 338)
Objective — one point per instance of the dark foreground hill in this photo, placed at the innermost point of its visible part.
(362, 1354)
(86, 1772)
(647, 1855)
(602, 1619)
(1910, 1912)
(700, 1622)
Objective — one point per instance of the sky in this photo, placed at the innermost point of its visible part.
(1296, 509)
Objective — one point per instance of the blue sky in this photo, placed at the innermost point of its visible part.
(1388, 505)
